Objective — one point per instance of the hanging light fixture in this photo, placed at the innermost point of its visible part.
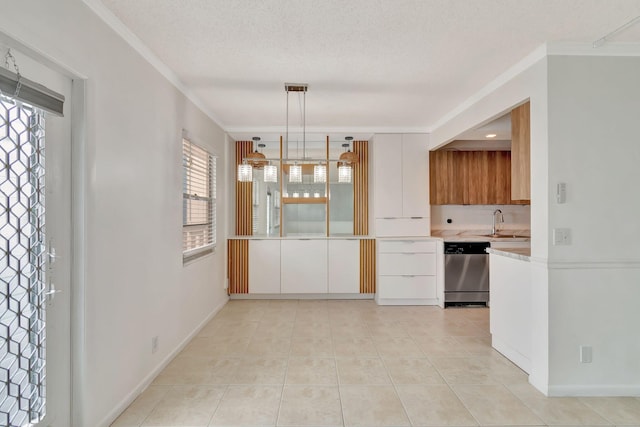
(256, 159)
(245, 172)
(348, 156)
(295, 173)
(270, 173)
(320, 173)
(346, 162)
(344, 173)
(295, 170)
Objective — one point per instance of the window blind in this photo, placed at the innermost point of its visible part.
(31, 92)
(199, 201)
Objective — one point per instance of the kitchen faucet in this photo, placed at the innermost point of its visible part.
(494, 231)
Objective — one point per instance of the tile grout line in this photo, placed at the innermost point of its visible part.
(335, 363)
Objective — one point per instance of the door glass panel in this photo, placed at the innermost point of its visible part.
(22, 265)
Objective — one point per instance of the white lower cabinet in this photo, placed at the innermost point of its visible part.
(407, 287)
(303, 266)
(344, 262)
(264, 266)
(407, 272)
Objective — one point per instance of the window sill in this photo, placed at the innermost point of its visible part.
(196, 254)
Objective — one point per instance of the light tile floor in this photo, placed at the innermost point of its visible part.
(354, 363)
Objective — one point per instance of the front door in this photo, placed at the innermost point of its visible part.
(35, 252)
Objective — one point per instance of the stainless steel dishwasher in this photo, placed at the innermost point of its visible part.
(466, 273)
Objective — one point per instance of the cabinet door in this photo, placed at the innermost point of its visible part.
(415, 175)
(446, 178)
(303, 265)
(344, 266)
(264, 266)
(387, 169)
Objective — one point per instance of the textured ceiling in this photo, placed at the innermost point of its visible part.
(370, 64)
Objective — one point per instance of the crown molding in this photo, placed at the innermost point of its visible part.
(588, 49)
(139, 46)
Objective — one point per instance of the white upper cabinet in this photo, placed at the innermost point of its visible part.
(401, 185)
(415, 175)
(387, 169)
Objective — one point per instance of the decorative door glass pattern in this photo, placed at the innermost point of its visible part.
(22, 265)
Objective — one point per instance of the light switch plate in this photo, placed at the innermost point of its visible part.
(586, 354)
(561, 192)
(561, 236)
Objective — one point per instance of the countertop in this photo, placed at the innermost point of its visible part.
(482, 235)
(522, 254)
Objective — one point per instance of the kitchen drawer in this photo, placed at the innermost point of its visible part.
(407, 264)
(407, 287)
(404, 246)
(403, 227)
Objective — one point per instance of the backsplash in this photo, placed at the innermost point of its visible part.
(479, 217)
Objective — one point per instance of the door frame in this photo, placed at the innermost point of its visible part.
(79, 173)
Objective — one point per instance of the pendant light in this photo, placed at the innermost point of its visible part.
(295, 170)
(256, 159)
(270, 173)
(344, 173)
(295, 173)
(320, 173)
(245, 172)
(348, 156)
(345, 162)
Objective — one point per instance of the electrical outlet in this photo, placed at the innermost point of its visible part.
(154, 344)
(561, 236)
(586, 354)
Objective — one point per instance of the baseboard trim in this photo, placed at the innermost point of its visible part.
(407, 301)
(612, 390)
(514, 356)
(301, 296)
(146, 381)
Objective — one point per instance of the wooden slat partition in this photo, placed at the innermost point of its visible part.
(521, 152)
(361, 189)
(238, 266)
(367, 266)
(244, 194)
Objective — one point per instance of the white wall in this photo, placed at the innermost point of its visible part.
(595, 281)
(135, 284)
(479, 217)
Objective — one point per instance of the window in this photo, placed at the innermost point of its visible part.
(198, 201)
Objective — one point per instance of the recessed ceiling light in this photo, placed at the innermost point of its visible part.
(490, 135)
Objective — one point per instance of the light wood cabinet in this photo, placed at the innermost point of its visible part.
(401, 185)
(446, 181)
(470, 177)
(521, 152)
